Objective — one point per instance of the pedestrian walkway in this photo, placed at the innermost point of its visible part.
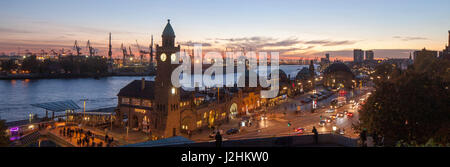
(84, 138)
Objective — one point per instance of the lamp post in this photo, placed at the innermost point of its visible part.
(84, 110)
(111, 118)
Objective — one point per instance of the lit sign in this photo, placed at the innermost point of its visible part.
(140, 110)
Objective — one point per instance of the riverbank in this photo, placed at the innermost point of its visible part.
(68, 76)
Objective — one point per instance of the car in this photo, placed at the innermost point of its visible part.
(299, 130)
(306, 100)
(322, 123)
(333, 117)
(328, 120)
(329, 110)
(232, 131)
(340, 114)
(349, 114)
(321, 97)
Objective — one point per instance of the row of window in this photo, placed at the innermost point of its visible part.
(137, 102)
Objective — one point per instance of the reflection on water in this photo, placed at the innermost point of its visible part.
(17, 95)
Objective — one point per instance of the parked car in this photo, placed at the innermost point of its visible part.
(232, 131)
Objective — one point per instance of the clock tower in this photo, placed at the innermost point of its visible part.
(167, 97)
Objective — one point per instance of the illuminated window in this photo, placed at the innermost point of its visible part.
(125, 100)
(199, 124)
(224, 115)
(184, 127)
(147, 103)
(205, 115)
(136, 102)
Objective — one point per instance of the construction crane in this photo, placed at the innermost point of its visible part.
(77, 48)
(124, 51)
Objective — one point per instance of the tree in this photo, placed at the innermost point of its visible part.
(4, 140)
(9, 65)
(30, 64)
(412, 106)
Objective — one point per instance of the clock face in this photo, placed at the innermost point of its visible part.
(163, 57)
(173, 57)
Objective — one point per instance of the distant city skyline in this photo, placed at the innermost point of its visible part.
(298, 29)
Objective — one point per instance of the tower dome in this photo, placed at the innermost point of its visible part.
(168, 31)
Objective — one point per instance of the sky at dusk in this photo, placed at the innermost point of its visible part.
(297, 29)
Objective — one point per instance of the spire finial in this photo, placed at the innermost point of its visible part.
(168, 20)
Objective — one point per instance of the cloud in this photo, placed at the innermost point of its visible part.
(407, 38)
(11, 30)
(192, 43)
(329, 42)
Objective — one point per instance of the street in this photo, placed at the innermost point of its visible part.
(277, 118)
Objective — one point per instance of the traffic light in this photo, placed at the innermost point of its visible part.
(289, 124)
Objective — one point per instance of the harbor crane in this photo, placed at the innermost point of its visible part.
(77, 48)
(90, 49)
(131, 55)
(141, 52)
(124, 51)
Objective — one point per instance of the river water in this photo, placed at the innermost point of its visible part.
(17, 95)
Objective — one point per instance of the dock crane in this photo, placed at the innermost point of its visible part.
(131, 55)
(124, 51)
(55, 54)
(90, 49)
(77, 48)
(141, 52)
(43, 53)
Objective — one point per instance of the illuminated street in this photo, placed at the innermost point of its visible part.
(276, 123)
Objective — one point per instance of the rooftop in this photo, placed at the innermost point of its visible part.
(134, 89)
(168, 30)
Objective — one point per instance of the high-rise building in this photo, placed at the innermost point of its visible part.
(358, 55)
(326, 59)
(445, 54)
(369, 55)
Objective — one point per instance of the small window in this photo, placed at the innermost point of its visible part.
(147, 103)
(125, 100)
(136, 102)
